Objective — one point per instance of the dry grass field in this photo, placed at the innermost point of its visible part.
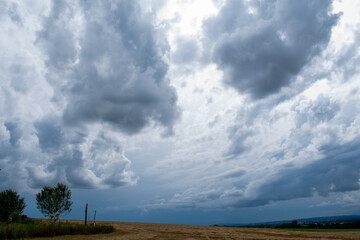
(139, 231)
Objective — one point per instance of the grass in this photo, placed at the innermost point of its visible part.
(44, 228)
(319, 230)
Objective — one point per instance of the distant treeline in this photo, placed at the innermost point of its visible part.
(330, 222)
(348, 224)
(339, 224)
(335, 222)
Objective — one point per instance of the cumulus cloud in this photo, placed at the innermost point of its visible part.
(78, 78)
(260, 46)
(110, 71)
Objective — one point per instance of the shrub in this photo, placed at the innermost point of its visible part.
(11, 205)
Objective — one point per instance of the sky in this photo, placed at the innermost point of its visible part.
(192, 112)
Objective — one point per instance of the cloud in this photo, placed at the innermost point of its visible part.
(310, 154)
(214, 121)
(110, 71)
(315, 112)
(302, 147)
(238, 136)
(261, 46)
(13, 13)
(187, 50)
(248, 123)
(82, 80)
(235, 173)
(49, 133)
(81, 158)
(79, 77)
(337, 171)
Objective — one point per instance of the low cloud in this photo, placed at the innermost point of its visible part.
(337, 171)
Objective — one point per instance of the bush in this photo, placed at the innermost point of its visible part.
(11, 205)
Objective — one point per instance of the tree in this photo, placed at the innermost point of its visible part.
(11, 205)
(52, 201)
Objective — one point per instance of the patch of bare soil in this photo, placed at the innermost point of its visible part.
(139, 231)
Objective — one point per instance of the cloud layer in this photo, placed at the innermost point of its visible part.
(294, 134)
(87, 74)
(268, 92)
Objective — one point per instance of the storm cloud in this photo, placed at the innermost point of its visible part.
(110, 71)
(97, 74)
(260, 46)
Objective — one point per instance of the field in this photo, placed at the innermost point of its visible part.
(139, 231)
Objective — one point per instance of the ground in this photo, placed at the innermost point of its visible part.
(139, 231)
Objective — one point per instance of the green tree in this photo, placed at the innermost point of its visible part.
(52, 200)
(11, 205)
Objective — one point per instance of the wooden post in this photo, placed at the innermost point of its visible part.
(86, 214)
(94, 218)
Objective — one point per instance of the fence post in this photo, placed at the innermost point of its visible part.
(94, 218)
(86, 214)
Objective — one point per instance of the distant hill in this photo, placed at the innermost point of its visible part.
(314, 219)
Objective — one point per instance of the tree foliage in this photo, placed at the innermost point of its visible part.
(11, 205)
(51, 200)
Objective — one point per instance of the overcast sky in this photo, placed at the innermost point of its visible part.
(196, 112)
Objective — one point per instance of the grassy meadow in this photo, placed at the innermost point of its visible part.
(33, 228)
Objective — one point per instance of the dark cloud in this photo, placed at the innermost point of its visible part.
(101, 73)
(14, 132)
(117, 74)
(82, 159)
(337, 171)
(261, 46)
(57, 40)
(50, 135)
(12, 173)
